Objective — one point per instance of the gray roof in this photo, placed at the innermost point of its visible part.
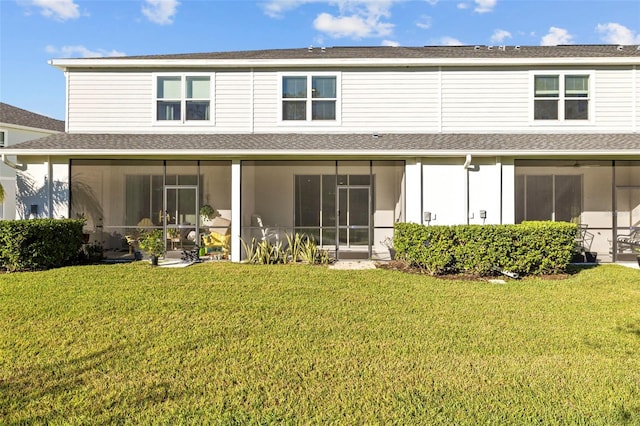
(330, 144)
(562, 51)
(21, 117)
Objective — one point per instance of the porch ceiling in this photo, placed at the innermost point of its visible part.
(316, 145)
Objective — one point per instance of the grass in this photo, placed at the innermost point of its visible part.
(238, 344)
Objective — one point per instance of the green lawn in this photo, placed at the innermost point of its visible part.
(237, 344)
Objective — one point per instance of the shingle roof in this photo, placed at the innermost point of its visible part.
(562, 51)
(346, 144)
(21, 117)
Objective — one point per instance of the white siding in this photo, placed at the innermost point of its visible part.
(265, 104)
(485, 100)
(233, 101)
(636, 102)
(390, 101)
(614, 99)
(419, 100)
(117, 102)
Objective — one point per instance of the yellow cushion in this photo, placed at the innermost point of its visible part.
(214, 239)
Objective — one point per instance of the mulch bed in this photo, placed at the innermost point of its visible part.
(397, 265)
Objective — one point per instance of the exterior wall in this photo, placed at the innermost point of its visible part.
(616, 99)
(386, 100)
(390, 101)
(413, 188)
(456, 195)
(115, 102)
(636, 101)
(444, 190)
(9, 208)
(490, 101)
(44, 184)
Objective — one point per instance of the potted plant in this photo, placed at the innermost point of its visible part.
(153, 244)
(388, 243)
(208, 213)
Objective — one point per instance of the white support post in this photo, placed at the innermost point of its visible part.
(235, 210)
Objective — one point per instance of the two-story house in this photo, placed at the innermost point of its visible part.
(18, 125)
(343, 142)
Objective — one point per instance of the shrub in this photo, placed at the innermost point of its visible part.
(530, 248)
(36, 244)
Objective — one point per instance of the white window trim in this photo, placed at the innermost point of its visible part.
(309, 122)
(183, 121)
(561, 121)
(3, 140)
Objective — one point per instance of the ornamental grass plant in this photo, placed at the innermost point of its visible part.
(228, 343)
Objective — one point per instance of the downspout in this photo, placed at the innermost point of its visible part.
(21, 167)
(467, 166)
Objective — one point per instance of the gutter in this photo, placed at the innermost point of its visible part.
(316, 153)
(106, 63)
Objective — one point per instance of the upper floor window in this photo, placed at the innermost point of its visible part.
(561, 97)
(1, 139)
(183, 98)
(310, 97)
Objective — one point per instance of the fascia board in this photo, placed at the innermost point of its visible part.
(11, 126)
(68, 64)
(314, 153)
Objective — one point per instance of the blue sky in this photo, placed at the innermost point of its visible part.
(34, 31)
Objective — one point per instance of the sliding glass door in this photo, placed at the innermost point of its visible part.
(180, 215)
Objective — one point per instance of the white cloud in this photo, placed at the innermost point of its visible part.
(354, 18)
(57, 9)
(424, 22)
(614, 33)
(432, 2)
(500, 35)
(556, 36)
(160, 11)
(449, 41)
(351, 26)
(277, 8)
(484, 6)
(81, 52)
(462, 6)
(390, 43)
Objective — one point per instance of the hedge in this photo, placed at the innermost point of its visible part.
(529, 248)
(37, 244)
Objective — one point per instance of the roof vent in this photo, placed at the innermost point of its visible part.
(516, 47)
(502, 47)
(620, 47)
(310, 49)
(323, 49)
(489, 47)
(375, 135)
(476, 48)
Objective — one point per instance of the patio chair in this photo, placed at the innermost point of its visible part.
(630, 241)
(584, 238)
(219, 236)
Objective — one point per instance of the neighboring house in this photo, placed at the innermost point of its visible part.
(342, 143)
(18, 125)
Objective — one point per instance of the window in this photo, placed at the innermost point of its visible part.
(1, 139)
(561, 97)
(549, 197)
(183, 99)
(310, 98)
